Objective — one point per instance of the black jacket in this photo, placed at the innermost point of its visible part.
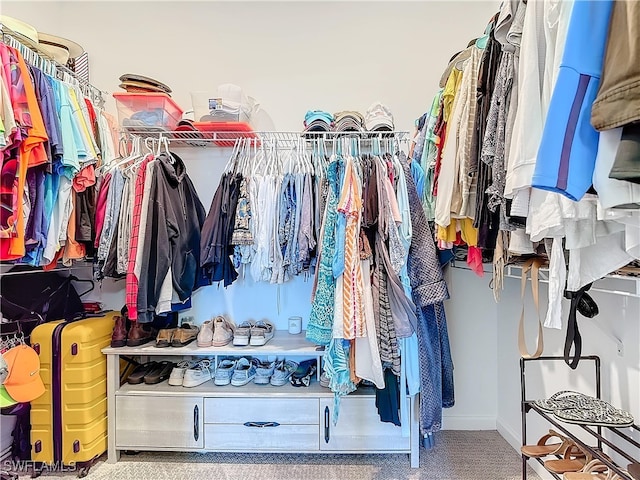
(172, 237)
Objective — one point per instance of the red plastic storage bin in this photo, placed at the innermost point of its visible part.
(147, 110)
(226, 132)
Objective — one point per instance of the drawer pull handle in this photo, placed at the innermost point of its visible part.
(327, 434)
(196, 423)
(261, 424)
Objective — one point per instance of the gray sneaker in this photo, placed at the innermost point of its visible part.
(264, 371)
(243, 333)
(282, 372)
(224, 372)
(261, 333)
(244, 372)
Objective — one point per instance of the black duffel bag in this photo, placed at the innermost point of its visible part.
(26, 293)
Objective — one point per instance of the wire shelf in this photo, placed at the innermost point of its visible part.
(47, 64)
(281, 139)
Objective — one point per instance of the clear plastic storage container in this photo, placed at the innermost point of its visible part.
(227, 104)
(147, 111)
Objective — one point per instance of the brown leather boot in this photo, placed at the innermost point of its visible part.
(119, 335)
(140, 333)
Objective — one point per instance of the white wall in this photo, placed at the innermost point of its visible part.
(290, 56)
(471, 319)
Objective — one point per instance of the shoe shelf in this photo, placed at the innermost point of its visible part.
(248, 418)
(595, 432)
(282, 343)
(251, 389)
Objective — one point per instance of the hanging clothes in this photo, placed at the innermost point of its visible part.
(217, 231)
(172, 235)
(321, 317)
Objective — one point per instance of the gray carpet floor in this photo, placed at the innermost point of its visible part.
(457, 455)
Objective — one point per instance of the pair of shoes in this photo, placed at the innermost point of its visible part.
(574, 459)
(235, 372)
(217, 332)
(151, 373)
(304, 373)
(283, 371)
(575, 407)
(253, 333)
(134, 336)
(264, 371)
(543, 449)
(191, 374)
(177, 337)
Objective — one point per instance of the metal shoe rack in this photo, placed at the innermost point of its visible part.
(595, 432)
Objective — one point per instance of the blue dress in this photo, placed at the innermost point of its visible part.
(320, 326)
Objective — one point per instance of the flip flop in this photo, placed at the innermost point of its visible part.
(542, 448)
(137, 376)
(595, 412)
(560, 400)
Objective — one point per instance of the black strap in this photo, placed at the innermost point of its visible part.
(573, 332)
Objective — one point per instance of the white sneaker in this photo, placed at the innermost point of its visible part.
(177, 374)
(199, 374)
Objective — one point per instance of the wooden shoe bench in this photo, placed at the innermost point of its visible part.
(595, 432)
(252, 418)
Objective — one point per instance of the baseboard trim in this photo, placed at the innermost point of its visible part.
(509, 434)
(468, 422)
(514, 439)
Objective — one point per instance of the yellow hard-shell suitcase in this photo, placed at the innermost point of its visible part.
(69, 422)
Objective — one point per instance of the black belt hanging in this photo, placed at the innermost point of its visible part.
(581, 302)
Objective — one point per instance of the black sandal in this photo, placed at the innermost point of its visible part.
(304, 373)
(159, 373)
(137, 376)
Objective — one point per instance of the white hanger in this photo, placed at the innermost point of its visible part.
(135, 153)
(236, 149)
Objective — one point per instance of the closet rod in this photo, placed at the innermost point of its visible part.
(544, 279)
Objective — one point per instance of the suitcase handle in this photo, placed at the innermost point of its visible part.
(196, 426)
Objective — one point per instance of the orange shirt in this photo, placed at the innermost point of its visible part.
(72, 249)
(31, 153)
(34, 144)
